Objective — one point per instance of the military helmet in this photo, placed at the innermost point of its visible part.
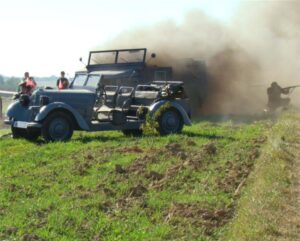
(274, 84)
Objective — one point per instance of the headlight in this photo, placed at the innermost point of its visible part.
(44, 100)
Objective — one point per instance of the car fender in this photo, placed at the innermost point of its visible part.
(45, 110)
(154, 107)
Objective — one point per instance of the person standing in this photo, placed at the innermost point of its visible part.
(28, 85)
(62, 82)
(26, 76)
(31, 85)
(22, 84)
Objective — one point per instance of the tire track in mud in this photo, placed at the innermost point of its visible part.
(290, 228)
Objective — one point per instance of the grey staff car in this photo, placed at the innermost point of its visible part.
(113, 94)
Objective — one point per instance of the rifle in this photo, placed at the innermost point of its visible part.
(289, 88)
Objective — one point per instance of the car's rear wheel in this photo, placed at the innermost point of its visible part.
(169, 121)
(58, 126)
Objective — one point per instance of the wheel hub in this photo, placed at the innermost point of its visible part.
(170, 122)
(58, 128)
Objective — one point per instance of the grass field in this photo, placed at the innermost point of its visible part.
(105, 186)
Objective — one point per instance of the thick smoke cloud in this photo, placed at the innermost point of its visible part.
(270, 32)
(242, 59)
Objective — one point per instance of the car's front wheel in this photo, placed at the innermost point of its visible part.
(58, 126)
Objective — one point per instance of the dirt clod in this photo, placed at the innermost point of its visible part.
(119, 169)
(89, 157)
(167, 177)
(31, 237)
(173, 148)
(200, 215)
(235, 173)
(11, 230)
(97, 238)
(108, 192)
(140, 163)
(81, 168)
(210, 148)
(154, 175)
(133, 149)
(191, 143)
(182, 155)
(137, 191)
(105, 207)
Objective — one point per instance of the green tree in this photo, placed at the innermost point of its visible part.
(12, 83)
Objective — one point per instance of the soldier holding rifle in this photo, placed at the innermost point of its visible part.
(274, 96)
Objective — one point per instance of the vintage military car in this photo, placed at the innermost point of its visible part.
(115, 93)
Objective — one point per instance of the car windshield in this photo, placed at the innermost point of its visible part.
(79, 80)
(117, 56)
(93, 80)
(132, 56)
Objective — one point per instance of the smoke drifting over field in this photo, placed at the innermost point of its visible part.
(260, 46)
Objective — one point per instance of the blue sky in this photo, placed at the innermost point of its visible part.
(45, 37)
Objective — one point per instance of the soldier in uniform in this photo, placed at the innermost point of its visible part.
(62, 82)
(274, 97)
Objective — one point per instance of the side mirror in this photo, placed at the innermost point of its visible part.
(80, 59)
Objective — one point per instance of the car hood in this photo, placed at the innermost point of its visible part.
(69, 96)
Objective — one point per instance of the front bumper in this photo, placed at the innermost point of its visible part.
(23, 124)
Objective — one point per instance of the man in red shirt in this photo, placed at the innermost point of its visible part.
(62, 82)
(28, 85)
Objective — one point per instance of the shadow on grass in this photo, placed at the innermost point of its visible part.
(236, 119)
(106, 138)
(100, 138)
(207, 136)
(86, 138)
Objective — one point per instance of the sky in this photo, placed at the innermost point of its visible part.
(45, 37)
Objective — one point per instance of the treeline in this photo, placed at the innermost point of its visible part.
(10, 83)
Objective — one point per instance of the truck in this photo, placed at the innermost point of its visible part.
(117, 91)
